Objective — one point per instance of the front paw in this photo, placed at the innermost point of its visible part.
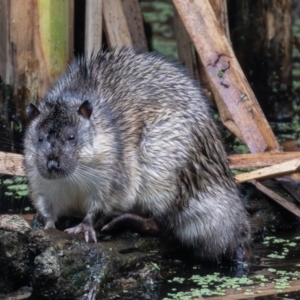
(87, 230)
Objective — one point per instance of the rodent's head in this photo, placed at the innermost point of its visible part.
(56, 134)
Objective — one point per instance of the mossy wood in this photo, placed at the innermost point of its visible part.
(229, 85)
(34, 44)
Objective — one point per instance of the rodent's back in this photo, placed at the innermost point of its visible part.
(155, 105)
(130, 80)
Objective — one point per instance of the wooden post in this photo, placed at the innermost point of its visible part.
(11, 164)
(93, 26)
(5, 46)
(34, 45)
(267, 27)
(133, 15)
(186, 50)
(116, 28)
(220, 9)
(53, 20)
(71, 30)
(228, 83)
(254, 160)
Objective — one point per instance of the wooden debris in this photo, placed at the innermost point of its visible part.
(185, 48)
(291, 184)
(133, 15)
(285, 168)
(71, 29)
(4, 44)
(115, 24)
(11, 164)
(220, 9)
(231, 90)
(34, 45)
(93, 26)
(280, 200)
(254, 160)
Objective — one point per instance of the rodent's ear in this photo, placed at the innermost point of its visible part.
(86, 109)
(32, 111)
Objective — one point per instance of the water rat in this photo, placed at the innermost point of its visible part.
(130, 132)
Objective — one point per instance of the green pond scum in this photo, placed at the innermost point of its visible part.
(278, 265)
(14, 193)
(15, 187)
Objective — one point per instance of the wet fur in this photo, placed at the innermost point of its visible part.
(151, 147)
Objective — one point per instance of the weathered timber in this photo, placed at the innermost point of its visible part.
(133, 15)
(291, 184)
(262, 38)
(71, 30)
(220, 9)
(228, 83)
(5, 46)
(11, 164)
(93, 26)
(185, 48)
(277, 170)
(34, 45)
(115, 24)
(253, 160)
(280, 200)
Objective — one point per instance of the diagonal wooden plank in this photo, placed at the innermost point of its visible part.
(284, 168)
(291, 207)
(252, 160)
(227, 80)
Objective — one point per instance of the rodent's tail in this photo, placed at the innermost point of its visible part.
(215, 226)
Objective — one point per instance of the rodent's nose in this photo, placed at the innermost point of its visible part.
(53, 165)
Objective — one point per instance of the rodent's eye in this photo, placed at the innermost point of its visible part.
(71, 137)
(40, 139)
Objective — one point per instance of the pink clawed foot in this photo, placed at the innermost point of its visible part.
(87, 230)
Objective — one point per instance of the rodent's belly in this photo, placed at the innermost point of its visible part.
(73, 205)
(68, 200)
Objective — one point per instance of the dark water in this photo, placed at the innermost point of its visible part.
(274, 275)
